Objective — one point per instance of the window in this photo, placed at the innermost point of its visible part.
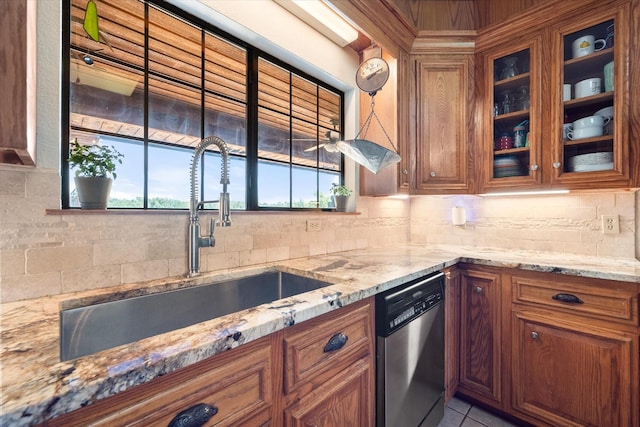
(160, 80)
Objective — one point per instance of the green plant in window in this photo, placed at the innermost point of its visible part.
(94, 160)
(340, 190)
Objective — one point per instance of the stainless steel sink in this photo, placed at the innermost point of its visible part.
(93, 328)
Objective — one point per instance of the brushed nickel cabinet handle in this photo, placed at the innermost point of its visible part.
(336, 342)
(195, 416)
(478, 290)
(534, 335)
(556, 165)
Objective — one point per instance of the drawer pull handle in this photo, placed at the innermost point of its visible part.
(568, 298)
(336, 342)
(195, 416)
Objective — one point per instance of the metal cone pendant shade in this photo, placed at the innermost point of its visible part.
(368, 154)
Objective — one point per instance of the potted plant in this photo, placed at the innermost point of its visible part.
(340, 194)
(95, 166)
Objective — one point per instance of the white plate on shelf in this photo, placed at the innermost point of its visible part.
(592, 168)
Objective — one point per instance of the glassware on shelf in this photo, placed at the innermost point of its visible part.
(609, 39)
(523, 97)
(508, 103)
(510, 69)
(520, 134)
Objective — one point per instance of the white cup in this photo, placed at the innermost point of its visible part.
(586, 45)
(591, 121)
(566, 92)
(587, 87)
(565, 130)
(586, 132)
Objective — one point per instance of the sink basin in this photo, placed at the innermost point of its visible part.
(86, 330)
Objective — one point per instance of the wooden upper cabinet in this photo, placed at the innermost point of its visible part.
(444, 90)
(18, 82)
(442, 107)
(591, 160)
(540, 42)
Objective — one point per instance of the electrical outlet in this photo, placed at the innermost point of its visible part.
(610, 224)
(314, 225)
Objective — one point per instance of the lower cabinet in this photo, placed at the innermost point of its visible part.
(481, 335)
(574, 351)
(317, 373)
(567, 373)
(329, 370)
(549, 349)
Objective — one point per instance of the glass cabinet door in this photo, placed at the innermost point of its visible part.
(588, 115)
(511, 141)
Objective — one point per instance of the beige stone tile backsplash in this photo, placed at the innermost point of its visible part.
(568, 223)
(51, 254)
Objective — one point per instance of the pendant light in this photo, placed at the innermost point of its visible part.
(371, 76)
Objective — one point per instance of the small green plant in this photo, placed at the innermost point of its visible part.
(94, 160)
(340, 190)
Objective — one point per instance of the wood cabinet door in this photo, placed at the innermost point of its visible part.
(512, 97)
(480, 336)
(444, 128)
(586, 159)
(343, 401)
(570, 373)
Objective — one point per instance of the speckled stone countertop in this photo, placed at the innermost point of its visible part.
(37, 386)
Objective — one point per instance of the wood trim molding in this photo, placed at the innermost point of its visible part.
(461, 42)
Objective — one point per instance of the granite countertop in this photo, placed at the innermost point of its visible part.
(37, 386)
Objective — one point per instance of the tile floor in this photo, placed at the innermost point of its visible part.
(459, 413)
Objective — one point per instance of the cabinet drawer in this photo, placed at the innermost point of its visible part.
(305, 351)
(613, 300)
(237, 383)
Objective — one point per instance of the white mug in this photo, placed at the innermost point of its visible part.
(586, 45)
(587, 87)
(566, 92)
(566, 128)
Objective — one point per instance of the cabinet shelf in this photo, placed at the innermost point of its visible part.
(574, 69)
(522, 114)
(589, 100)
(594, 140)
(511, 151)
(513, 82)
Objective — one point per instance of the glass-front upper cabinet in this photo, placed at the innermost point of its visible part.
(512, 140)
(589, 113)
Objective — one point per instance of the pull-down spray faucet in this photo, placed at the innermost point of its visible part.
(195, 240)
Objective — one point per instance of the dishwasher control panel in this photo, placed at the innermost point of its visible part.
(398, 306)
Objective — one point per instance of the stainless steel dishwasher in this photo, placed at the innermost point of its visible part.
(410, 354)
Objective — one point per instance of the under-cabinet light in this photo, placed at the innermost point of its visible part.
(525, 193)
(323, 19)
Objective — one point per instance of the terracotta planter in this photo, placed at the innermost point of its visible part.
(93, 191)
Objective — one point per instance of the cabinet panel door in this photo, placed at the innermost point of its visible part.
(570, 373)
(451, 334)
(342, 401)
(444, 103)
(480, 336)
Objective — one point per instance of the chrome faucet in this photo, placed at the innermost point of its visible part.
(195, 240)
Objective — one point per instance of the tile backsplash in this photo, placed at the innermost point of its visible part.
(45, 254)
(569, 223)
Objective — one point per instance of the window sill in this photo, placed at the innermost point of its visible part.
(186, 212)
